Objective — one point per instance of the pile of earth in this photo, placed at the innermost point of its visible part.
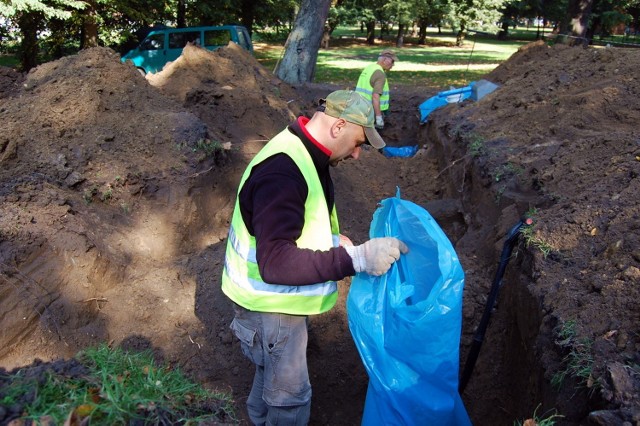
(117, 191)
(560, 141)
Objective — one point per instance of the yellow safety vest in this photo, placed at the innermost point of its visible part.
(241, 280)
(365, 88)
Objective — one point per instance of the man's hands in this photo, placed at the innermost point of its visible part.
(379, 122)
(376, 255)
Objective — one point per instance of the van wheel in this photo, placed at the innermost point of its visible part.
(142, 73)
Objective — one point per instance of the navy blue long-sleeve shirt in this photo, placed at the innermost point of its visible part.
(272, 207)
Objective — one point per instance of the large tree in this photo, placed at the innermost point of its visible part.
(474, 14)
(402, 13)
(577, 20)
(298, 64)
(31, 16)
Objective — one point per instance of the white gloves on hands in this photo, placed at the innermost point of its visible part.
(376, 255)
(379, 122)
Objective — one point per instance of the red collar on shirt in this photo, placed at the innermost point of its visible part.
(302, 121)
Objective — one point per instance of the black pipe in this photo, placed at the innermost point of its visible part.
(507, 248)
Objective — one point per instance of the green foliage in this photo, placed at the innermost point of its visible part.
(475, 14)
(88, 194)
(578, 363)
(9, 61)
(533, 240)
(60, 9)
(506, 170)
(207, 146)
(549, 420)
(119, 388)
(475, 144)
(399, 11)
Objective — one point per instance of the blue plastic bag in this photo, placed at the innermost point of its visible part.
(406, 324)
(400, 151)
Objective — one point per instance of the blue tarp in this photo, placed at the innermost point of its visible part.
(444, 98)
(475, 91)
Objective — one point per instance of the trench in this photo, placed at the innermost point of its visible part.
(508, 382)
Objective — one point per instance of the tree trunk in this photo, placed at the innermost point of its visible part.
(181, 14)
(58, 37)
(461, 35)
(577, 20)
(301, 49)
(371, 32)
(29, 23)
(89, 27)
(400, 37)
(504, 33)
(247, 14)
(422, 33)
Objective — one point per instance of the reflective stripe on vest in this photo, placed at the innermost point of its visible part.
(241, 280)
(365, 88)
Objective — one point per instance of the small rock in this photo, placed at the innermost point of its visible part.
(632, 273)
(74, 179)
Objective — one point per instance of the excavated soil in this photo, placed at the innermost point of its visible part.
(117, 191)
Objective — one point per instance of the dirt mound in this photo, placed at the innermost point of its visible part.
(10, 81)
(559, 139)
(226, 86)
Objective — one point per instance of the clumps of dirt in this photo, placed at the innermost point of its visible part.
(77, 118)
(10, 81)
(559, 140)
(108, 188)
(226, 86)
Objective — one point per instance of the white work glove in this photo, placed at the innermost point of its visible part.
(376, 255)
(379, 122)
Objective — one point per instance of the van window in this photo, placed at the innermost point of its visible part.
(217, 38)
(153, 42)
(180, 40)
(242, 40)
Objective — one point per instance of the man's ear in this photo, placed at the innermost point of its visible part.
(338, 126)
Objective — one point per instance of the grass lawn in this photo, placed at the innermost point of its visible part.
(438, 63)
(8, 61)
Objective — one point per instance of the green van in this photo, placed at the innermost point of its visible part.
(166, 44)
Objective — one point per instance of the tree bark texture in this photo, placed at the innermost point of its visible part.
(460, 36)
(578, 13)
(247, 14)
(89, 26)
(371, 32)
(29, 23)
(301, 49)
(181, 14)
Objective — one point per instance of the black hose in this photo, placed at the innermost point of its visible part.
(507, 248)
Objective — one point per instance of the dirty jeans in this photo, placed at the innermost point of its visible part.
(277, 345)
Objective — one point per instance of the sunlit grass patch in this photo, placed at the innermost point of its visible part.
(110, 386)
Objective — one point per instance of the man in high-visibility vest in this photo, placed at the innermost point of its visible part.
(374, 85)
(285, 253)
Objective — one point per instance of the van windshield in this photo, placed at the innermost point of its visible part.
(153, 42)
(217, 37)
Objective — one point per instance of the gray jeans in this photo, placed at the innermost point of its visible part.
(277, 345)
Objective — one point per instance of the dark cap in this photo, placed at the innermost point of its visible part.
(352, 107)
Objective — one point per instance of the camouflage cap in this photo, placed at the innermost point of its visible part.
(352, 107)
